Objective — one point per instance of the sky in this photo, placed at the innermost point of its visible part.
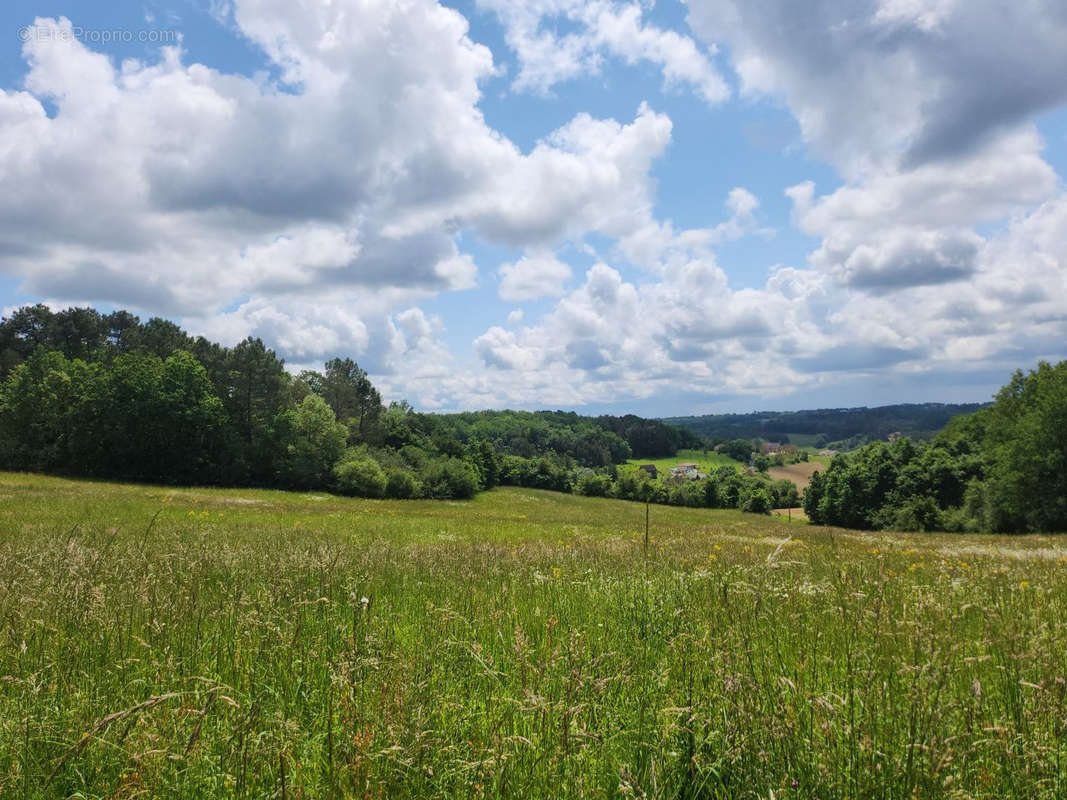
(663, 208)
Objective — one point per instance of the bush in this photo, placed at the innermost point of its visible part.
(915, 514)
(756, 501)
(449, 478)
(592, 485)
(401, 484)
(360, 476)
(689, 493)
(784, 494)
(636, 484)
(544, 472)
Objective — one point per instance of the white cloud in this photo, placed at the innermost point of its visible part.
(600, 29)
(176, 188)
(319, 212)
(535, 275)
(880, 83)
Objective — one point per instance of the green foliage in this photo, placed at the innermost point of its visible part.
(313, 442)
(255, 390)
(482, 456)
(914, 420)
(1025, 447)
(738, 449)
(687, 493)
(359, 475)
(783, 494)
(142, 418)
(401, 484)
(85, 393)
(351, 396)
(1002, 469)
(545, 472)
(648, 438)
(532, 434)
(449, 478)
(755, 500)
(592, 484)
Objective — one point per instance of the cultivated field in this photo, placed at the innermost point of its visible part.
(799, 473)
(200, 643)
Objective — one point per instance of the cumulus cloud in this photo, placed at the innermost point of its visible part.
(598, 30)
(895, 81)
(173, 187)
(534, 275)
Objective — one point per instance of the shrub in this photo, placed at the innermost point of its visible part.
(445, 478)
(360, 476)
(690, 493)
(592, 485)
(401, 484)
(756, 501)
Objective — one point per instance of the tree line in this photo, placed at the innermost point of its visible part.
(843, 428)
(1000, 469)
(106, 395)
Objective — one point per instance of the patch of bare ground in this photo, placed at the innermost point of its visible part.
(800, 474)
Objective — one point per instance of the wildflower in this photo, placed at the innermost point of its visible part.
(1024, 584)
(365, 602)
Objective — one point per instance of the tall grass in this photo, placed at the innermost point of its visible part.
(170, 643)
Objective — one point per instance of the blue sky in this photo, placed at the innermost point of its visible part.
(661, 207)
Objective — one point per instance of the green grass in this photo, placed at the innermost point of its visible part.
(193, 643)
(706, 462)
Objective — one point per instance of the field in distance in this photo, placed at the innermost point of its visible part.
(159, 642)
(706, 460)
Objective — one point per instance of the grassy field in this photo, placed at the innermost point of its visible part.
(192, 643)
(705, 461)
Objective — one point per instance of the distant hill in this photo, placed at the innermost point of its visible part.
(828, 425)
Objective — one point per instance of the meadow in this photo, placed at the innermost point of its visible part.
(706, 461)
(160, 642)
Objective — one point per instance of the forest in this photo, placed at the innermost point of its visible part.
(829, 427)
(1000, 469)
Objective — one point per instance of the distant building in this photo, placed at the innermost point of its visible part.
(895, 435)
(650, 469)
(828, 453)
(687, 471)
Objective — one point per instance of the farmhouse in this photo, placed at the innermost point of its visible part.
(687, 470)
